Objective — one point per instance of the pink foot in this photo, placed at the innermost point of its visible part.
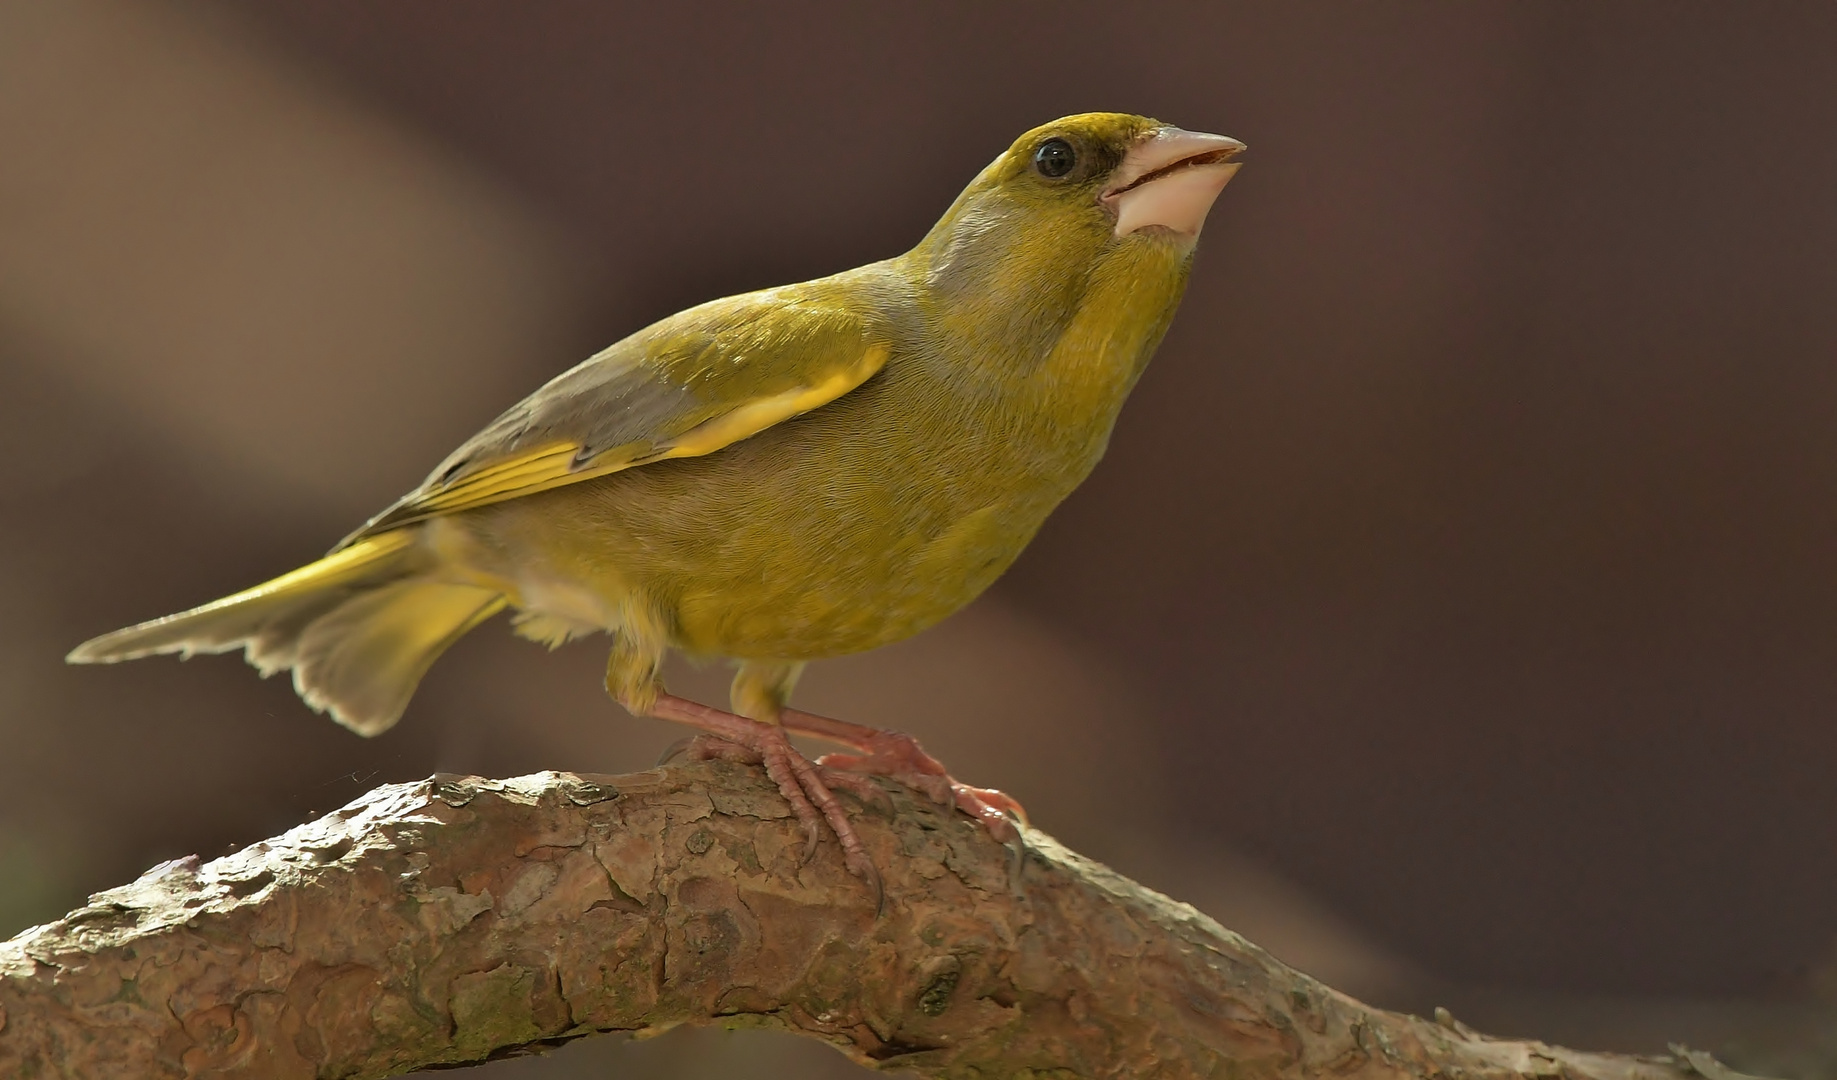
(899, 757)
(715, 748)
(799, 780)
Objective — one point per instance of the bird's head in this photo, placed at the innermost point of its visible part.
(1126, 174)
(1072, 195)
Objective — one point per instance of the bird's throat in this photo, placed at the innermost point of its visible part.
(1062, 303)
(1128, 302)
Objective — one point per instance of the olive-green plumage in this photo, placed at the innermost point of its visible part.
(777, 477)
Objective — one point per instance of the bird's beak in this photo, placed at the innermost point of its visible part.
(1169, 179)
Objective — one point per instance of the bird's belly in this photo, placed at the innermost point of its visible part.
(817, 595)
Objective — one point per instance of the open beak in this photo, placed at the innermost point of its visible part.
(1169, 179)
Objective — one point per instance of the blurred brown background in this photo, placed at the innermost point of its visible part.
(1455, 613)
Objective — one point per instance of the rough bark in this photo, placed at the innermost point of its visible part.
(460, 919)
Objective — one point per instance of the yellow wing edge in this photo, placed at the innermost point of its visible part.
(761, 413)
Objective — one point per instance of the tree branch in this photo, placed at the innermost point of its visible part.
(460, 919)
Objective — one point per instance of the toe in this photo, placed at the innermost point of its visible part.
(862, 788)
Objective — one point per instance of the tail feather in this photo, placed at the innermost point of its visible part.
(362, 662)
(236, 621)
(359, 628)
(275, 646)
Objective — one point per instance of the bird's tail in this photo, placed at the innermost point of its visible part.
(359, 628)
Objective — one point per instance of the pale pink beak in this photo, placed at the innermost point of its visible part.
(1169, 179)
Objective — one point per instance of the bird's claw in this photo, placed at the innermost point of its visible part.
(992, 808)
(862, 787)
(899, 757)
(735, 738)
(809, 787)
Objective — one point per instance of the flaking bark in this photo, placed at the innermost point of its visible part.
(460, 919)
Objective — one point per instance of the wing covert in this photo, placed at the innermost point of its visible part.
(683, 387)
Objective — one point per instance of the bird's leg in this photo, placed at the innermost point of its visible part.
(633, 681)
(760, 690)
(898, 756)
(797, 778)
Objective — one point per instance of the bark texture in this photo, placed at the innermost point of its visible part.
(460, 919)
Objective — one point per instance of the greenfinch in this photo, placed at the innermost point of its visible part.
(778, 477)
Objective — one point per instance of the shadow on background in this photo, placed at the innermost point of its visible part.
(1454, 614)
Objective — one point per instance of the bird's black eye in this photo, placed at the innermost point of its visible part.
(1055, 158)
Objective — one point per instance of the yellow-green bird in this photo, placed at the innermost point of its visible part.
(778, 477)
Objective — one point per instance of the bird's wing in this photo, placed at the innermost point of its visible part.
(685, 387)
